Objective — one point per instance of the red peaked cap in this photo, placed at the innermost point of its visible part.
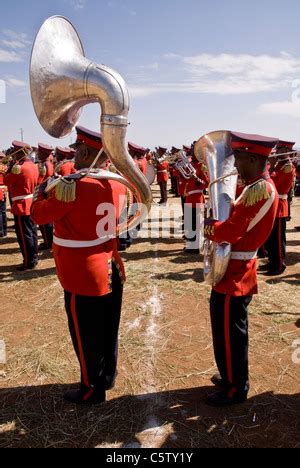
(64, 152)
(92, 139)
(20, 145)
(136, 148)
(46, 149)
(174, 149)
(162, 149)
(186, 148)
(285, 144)
(256, 144)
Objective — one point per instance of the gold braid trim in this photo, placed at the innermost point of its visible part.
(17, 169)
(42, 169)
(65, 190)
(287, 168)
(256, 193)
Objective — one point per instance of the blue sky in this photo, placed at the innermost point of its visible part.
(191, 66)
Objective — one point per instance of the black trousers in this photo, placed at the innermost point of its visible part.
(163, 192)
(26, 232)
(229, 320)
(276, 245)
(47, 234)
(94, 326)
(3, 219)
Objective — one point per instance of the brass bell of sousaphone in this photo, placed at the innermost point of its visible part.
(214, 150)
(63, 80)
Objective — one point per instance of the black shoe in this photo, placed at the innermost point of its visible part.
(80, 397)
(218, 381)
(223, 398)
(265, 267)
(192, 251)
(111, 382)
(26, 268)
(297, 228)
(277, 272)
(44, 246)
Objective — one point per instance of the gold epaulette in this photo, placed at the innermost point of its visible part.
(42, 170)
(255, 193)
(16, 170)
(287, 168)
(65, 190)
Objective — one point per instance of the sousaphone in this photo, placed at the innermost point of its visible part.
(63, 80)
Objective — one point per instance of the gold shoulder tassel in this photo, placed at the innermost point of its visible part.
(16, 169)
(256, 193)
(42, 170)
(65, 190)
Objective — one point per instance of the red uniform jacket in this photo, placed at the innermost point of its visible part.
(86, 271)
(162, 172)
(142, 164)
(46, 170)
(182, 183)
(66, 168)
(283, 177)
(194, 189)
(2, 185)
(21, 187)
(240, 278)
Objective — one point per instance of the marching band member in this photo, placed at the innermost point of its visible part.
(65, 163)
(246, 229)
(3, 217)
(162, 175)
(283, 176)
(21, 179)
(194, 206)
(88, 265)
(46, 170)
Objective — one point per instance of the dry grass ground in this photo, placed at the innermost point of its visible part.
(166, 358)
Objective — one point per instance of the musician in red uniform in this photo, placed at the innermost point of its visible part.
(46, 170)
(21, 179)
(138, 155)
(247, 228)
(65, 163)
(283, 176)
(88, 266)
(162, 175)
(194, 207)
(174, 173)
(3, 194)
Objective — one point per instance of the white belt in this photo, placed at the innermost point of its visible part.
(243, 255)
(165, 171)
(2, 186)
(283, 197)
(22, 197)
(72, 244)
(194, 192)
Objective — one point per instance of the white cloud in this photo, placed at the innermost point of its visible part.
(78, 4)
(13, 44)
(286, 108)
(8, 56)
(223, 74)
(15, 83)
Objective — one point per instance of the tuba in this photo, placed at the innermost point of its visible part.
(62, 81)
(214, 150)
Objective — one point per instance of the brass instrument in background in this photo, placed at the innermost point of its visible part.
(214, 150)
(62, 81)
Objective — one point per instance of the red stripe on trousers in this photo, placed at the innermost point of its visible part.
(79, 342)
(280, 243)
(23, 240)
(227, 337)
